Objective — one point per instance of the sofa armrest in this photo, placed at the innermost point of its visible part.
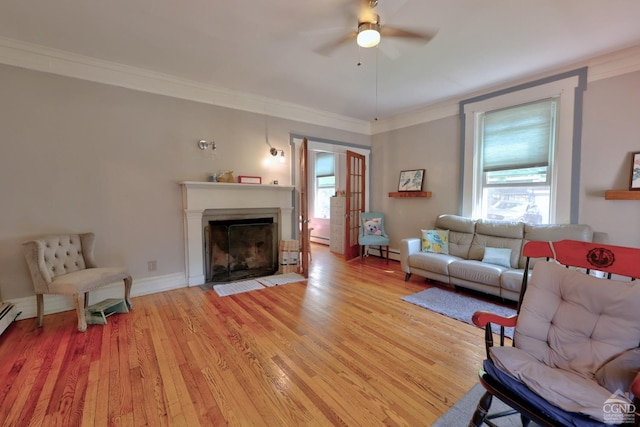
(408, 247)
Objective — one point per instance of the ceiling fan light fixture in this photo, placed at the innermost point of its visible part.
(368, 34)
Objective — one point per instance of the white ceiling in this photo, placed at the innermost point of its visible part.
(267, 48)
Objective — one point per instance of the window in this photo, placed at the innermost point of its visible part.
(521, 151)
(517, 152)
(325, 183)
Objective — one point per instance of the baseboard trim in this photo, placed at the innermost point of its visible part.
(58, 303)
(394, 254)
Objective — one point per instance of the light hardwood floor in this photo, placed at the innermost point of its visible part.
(341, 350)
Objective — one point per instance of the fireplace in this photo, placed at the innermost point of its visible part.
(207, 201)
(240, 244)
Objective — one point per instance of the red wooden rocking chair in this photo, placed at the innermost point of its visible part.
(578, 331)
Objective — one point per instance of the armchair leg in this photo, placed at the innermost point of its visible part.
(40, 309)
(361, 253)
(387, 254)
(481, 410)
(79, 299)
(127, 291)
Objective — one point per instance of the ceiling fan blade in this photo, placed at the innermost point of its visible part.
(327, 48)
(387, 31)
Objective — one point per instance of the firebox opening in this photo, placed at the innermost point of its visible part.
(238, 249)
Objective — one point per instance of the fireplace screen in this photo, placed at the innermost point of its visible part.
(239, 249)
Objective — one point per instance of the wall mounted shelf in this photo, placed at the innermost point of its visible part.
(410, 194)
(621, 195)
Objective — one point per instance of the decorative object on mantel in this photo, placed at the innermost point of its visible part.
(225, 176)
(244, 179)
(411, 180)
(634, 181)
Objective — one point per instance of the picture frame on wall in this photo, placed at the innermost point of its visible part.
(634, 181)
(411, 180)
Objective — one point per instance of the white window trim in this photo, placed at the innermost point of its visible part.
(563, 202)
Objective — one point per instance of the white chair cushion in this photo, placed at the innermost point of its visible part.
(565, 389)
(569, 325)
(86, 280)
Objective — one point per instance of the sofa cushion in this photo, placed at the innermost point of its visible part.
(576, 322)
(436, 263)
(436, 241)
(461, 231)
(554, 233)
(511, 280)
(477, 271)
(497, 234)
(498, 256)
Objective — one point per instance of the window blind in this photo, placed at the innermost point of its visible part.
(325, 164)
(518, 137)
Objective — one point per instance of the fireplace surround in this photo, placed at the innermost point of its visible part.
(202, 200)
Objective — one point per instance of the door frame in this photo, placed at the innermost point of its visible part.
(295, 140)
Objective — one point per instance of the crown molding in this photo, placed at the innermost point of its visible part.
(40, 58)
(614, 64)
(600, 67)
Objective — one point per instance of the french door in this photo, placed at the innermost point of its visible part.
(304, 208)
(355, 203)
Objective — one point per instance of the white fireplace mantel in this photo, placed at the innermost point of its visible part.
(197, 197)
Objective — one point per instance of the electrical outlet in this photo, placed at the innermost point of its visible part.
(152, 265)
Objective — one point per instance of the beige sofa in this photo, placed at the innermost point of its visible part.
(468, 238)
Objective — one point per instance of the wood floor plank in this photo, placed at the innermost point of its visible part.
(340, 349)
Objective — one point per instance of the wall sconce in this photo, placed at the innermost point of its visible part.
(274, 152)
(203, 145)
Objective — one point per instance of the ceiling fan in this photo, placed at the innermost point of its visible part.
(370, 31)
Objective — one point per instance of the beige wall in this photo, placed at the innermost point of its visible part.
(432, 146)
(79, 156)
(610, 132)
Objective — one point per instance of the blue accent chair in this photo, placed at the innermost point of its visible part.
(365, 239)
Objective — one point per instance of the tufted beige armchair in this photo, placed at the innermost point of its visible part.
(64, 264)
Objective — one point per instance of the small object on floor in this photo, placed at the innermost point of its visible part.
(281, 279)
(97, 313)
(8, 314)
(226, 289)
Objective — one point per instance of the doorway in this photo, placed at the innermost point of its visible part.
(326, 175)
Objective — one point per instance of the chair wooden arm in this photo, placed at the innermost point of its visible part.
(481, 318)
(484, 319)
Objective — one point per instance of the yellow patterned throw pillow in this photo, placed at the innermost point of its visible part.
(435, 241)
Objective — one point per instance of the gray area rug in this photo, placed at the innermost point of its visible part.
(458, 306)
(460, 414)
